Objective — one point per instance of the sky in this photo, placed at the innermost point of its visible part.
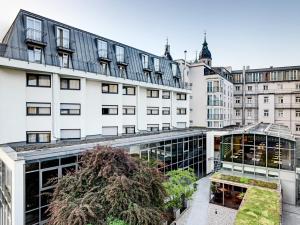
(257, 33)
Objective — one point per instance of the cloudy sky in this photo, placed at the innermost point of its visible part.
(259, 33)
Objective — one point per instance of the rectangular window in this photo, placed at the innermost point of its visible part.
(109, 110)
(34, 29)
(249, 88)
(63, 37)
(128, 90)
(122, 71)
(266, 113)
(174, 69)
(249, 111)
(145, 61)
(129, 129)
(70, 134)
(237, 88)
(166, 94)
(237, 113)
(35, 108)
(266, 99)
(280, 113)
(180, 96)
(152, 127)
(249, 100)
(166, 126)
(181, 111)
(166, 110)
(297, 100)
(237, 100)
(104, 67)
(181, 125)
(152, 93)
(110, 88)
(34, 54)
(266, 87)
(69, 84)
(102, 49)
(280, 99)
(156, 64)
(69, 109)
(128, 110)
(152, 111)
(64, 60)
(38, 80)
(297, 127)
(297, 113)
(120, 54)
(298, 86)
(38, 137)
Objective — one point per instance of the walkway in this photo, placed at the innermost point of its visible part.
(198, 213)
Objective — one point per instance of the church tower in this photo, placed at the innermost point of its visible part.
(205, 55)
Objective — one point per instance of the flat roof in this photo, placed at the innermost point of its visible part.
(38, 151)
(270, 129)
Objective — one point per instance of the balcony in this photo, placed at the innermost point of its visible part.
(215, 103)
(147, 68)
(103, 56)
(215, 116)
(287, 105)
(214, 89)
(251, 105)
(64, 45)
(35, 37)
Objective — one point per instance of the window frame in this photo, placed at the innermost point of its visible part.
(181, 111)
(37, 133)
(151, 91)
(156, 126)
(179, 96)
(151, 109)
(126, 127)
(108, 107)
(71, 138)
(68, 84)
(70, 114)
(165, 128)
(37, 109)
(166, 109)
(126, 107)
(126, 90)
(101, 49)
(108, 85)
(119, 54)
(37, 76)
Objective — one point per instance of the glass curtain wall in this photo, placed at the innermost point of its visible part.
(186, 152)
(258, 150)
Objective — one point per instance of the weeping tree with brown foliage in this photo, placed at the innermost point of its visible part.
(109, 184)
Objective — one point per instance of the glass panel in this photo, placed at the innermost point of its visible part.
(249, 155)
(287, 159)
(273, 158)
(226, 152)
(260, 155)
(238, 139)
(49, 163)
(237, 152)
(32, 190)
(248, 139)
(49, 178)
(32, 217)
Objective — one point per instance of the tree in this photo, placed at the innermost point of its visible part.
(109, 184)
(178, 186)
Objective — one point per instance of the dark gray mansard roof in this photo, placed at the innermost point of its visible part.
(270, 69)
(85, 56)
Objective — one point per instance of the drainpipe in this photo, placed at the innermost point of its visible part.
(244, 95)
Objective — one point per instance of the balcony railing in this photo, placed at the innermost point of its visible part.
(35, 37)
(215, 116)
(64, 44)
(214, 89)
(215, 103)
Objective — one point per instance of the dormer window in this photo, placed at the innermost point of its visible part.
(34, 54)
(34, 29)
(120, 54)
(63, 37)
(104, 66)
(148, 76)
(102, 49)
(64, 60)
(145, 61)
(174, 69)
(156, 65)
(122, 71)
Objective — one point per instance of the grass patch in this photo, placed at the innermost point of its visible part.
(244, 180)
(260, 207)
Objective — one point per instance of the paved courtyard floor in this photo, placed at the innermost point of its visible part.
(290, 215)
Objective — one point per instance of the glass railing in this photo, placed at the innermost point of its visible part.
(33, 34)
(63, 42)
